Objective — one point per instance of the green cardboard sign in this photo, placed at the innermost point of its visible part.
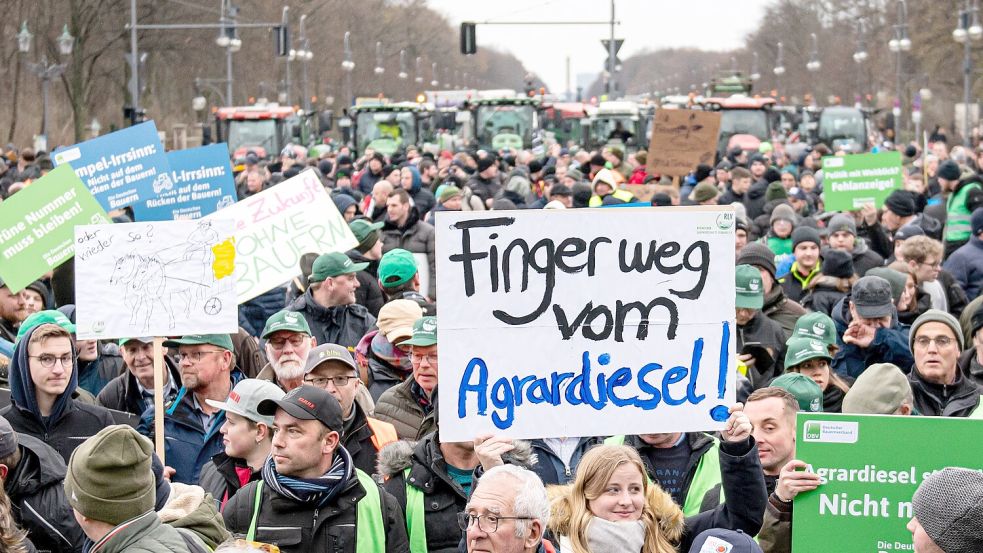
(37, 225)
(871, 466)
(851, 181)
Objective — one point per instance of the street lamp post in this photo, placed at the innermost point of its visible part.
(418, 76)
(44, 70)
(859, 57)
(779, 68)
(900, 43)
(228, 38)
(968, 31)
(348, 65)
(305, 55)
(755, 73)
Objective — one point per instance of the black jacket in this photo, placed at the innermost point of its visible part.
(933, 400)
(762, 330)
(219, 477)
(38, 498)
(357, 439)
(300, 528)
(968, 366)
(699, 444)
(123, 393)
(551, 469)
(340, 324)
(369, 293)
(754, 200)
(822, 295)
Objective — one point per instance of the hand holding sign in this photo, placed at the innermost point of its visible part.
(792, 480)
(490, 449)
(739, 427)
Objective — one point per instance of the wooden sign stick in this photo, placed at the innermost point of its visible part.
(159, 397)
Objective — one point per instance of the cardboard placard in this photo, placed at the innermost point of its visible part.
(37, 226)
(202, 184)
(681, 140)
(585, 322)
(850, 181)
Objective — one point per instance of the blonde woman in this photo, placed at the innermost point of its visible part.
(613, 507)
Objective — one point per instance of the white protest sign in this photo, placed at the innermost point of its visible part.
(583, 322)
(276, 227)
(161, 278)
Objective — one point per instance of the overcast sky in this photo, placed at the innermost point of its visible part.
(645, 24)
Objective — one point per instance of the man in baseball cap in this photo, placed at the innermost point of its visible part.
(329, 302)
(247, 436)
(869, 333)
(407, 404)
(332, 368)
(399, 279)
(757, 333)
(310, 483)
(133, 391)
(288, 341)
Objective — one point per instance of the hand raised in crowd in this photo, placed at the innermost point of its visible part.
(739, 427)
(859, 334)
(869, 213)
(490, 449)
(792, 481)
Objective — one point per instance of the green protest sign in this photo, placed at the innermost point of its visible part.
(37, 225)
(871, 466)
(854, 180)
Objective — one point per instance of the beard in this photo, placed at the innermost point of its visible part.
(288, 367)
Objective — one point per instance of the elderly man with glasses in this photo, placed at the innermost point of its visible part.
(940, 389)
(507, 512)
(407, 404)
(288, 342)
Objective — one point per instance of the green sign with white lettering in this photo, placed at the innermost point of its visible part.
(851, 181)
(871, 466)
(37, 225)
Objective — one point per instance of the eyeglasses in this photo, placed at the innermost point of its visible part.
(195, 356)
(322, 381)
(430, 357)
(296, 341)
(490, 524)
(940, 341)
(47, 360)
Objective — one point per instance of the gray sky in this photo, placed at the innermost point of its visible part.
(645, 24)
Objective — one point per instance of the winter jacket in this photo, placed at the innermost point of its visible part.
(782, 310)
(794, 284)
(700, 444)
(955, 297)
(970, 368)
(833, 399)
(823, 294)
(69, 423)
(249, 357)
(760, 329)
(754, 200)
(417, 237)
(223, 476)
(399, 407)
(484, 189)
(776, 529)
(301, 528)
(147, 534)
(365, 180)
(423, 199)
(38, 498)
(123, 392)
(95, 375)
(877, 237)
(187, 445)
(958, 399)
(339, 324)
(551, 469)
(730, 197)
(966, 266)
(193, 509)
(864, 258)
(369, 293)
(890, 345)
(357, 438)
(253, 313)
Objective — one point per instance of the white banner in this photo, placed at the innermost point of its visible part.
(161, 278)
(276, 227)
(564, 323)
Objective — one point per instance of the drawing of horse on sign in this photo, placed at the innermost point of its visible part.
(150, 284)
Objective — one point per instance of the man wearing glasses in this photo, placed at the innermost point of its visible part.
(43, 378)
(507, 513)
(191, 425)
(330, 367)
(288, 342)
(924, 257)
(940, 389)
(408, 403)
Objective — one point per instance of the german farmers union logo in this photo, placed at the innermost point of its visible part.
(837, 432)
(725, 221)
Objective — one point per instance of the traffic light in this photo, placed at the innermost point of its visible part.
(469, 44)
(281, 41)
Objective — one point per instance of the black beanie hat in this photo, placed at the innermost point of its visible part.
(837, 263)
(771, 175)
(702, 172)
(901, 203)
(948, 170)
(805, 234)
(597, 159)
(759, 255)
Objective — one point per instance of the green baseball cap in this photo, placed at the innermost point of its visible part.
(141, 339)
(396, 267)
(48, 316)
(805, 390)
(223, 341)
(817, 325)
(362, 229)
(750, 288)
(800, 350)
(332, 264)
(286, 320)
(424, 332)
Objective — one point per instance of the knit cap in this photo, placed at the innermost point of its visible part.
(837, 263)
(842, 221)
(775, 191)
(949, 506)
(935, 316)
(109, 477)
(805, 234)
(759, 255)
(703, 192)
(783, 212)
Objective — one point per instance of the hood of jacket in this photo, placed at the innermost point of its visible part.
(666, 511)
(40, 466)
(859, 247)
(398, 456)
(22, 386)
(191, 508)
(417, 181)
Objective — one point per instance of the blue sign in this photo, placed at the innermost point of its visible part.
(120, 168)
(201, 183)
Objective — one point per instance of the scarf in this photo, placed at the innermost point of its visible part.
(312, 491)
(615, 537)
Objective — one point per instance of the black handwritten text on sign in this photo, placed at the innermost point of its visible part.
(681, 140)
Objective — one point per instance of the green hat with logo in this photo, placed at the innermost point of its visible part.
(805, 390)
(223, 341)
(141, 339)
(396, 267)
(49, 316)
(817, 325)
(750, 288)
(424, 332)
(800, 350)
(366, 232)
(332, 264)
(286, 320)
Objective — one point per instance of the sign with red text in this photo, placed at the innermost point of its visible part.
(276, 227)
(586, 322)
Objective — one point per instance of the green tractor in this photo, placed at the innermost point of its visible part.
(387, 128)
(506, 123)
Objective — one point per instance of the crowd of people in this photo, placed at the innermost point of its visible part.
(315, 427)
